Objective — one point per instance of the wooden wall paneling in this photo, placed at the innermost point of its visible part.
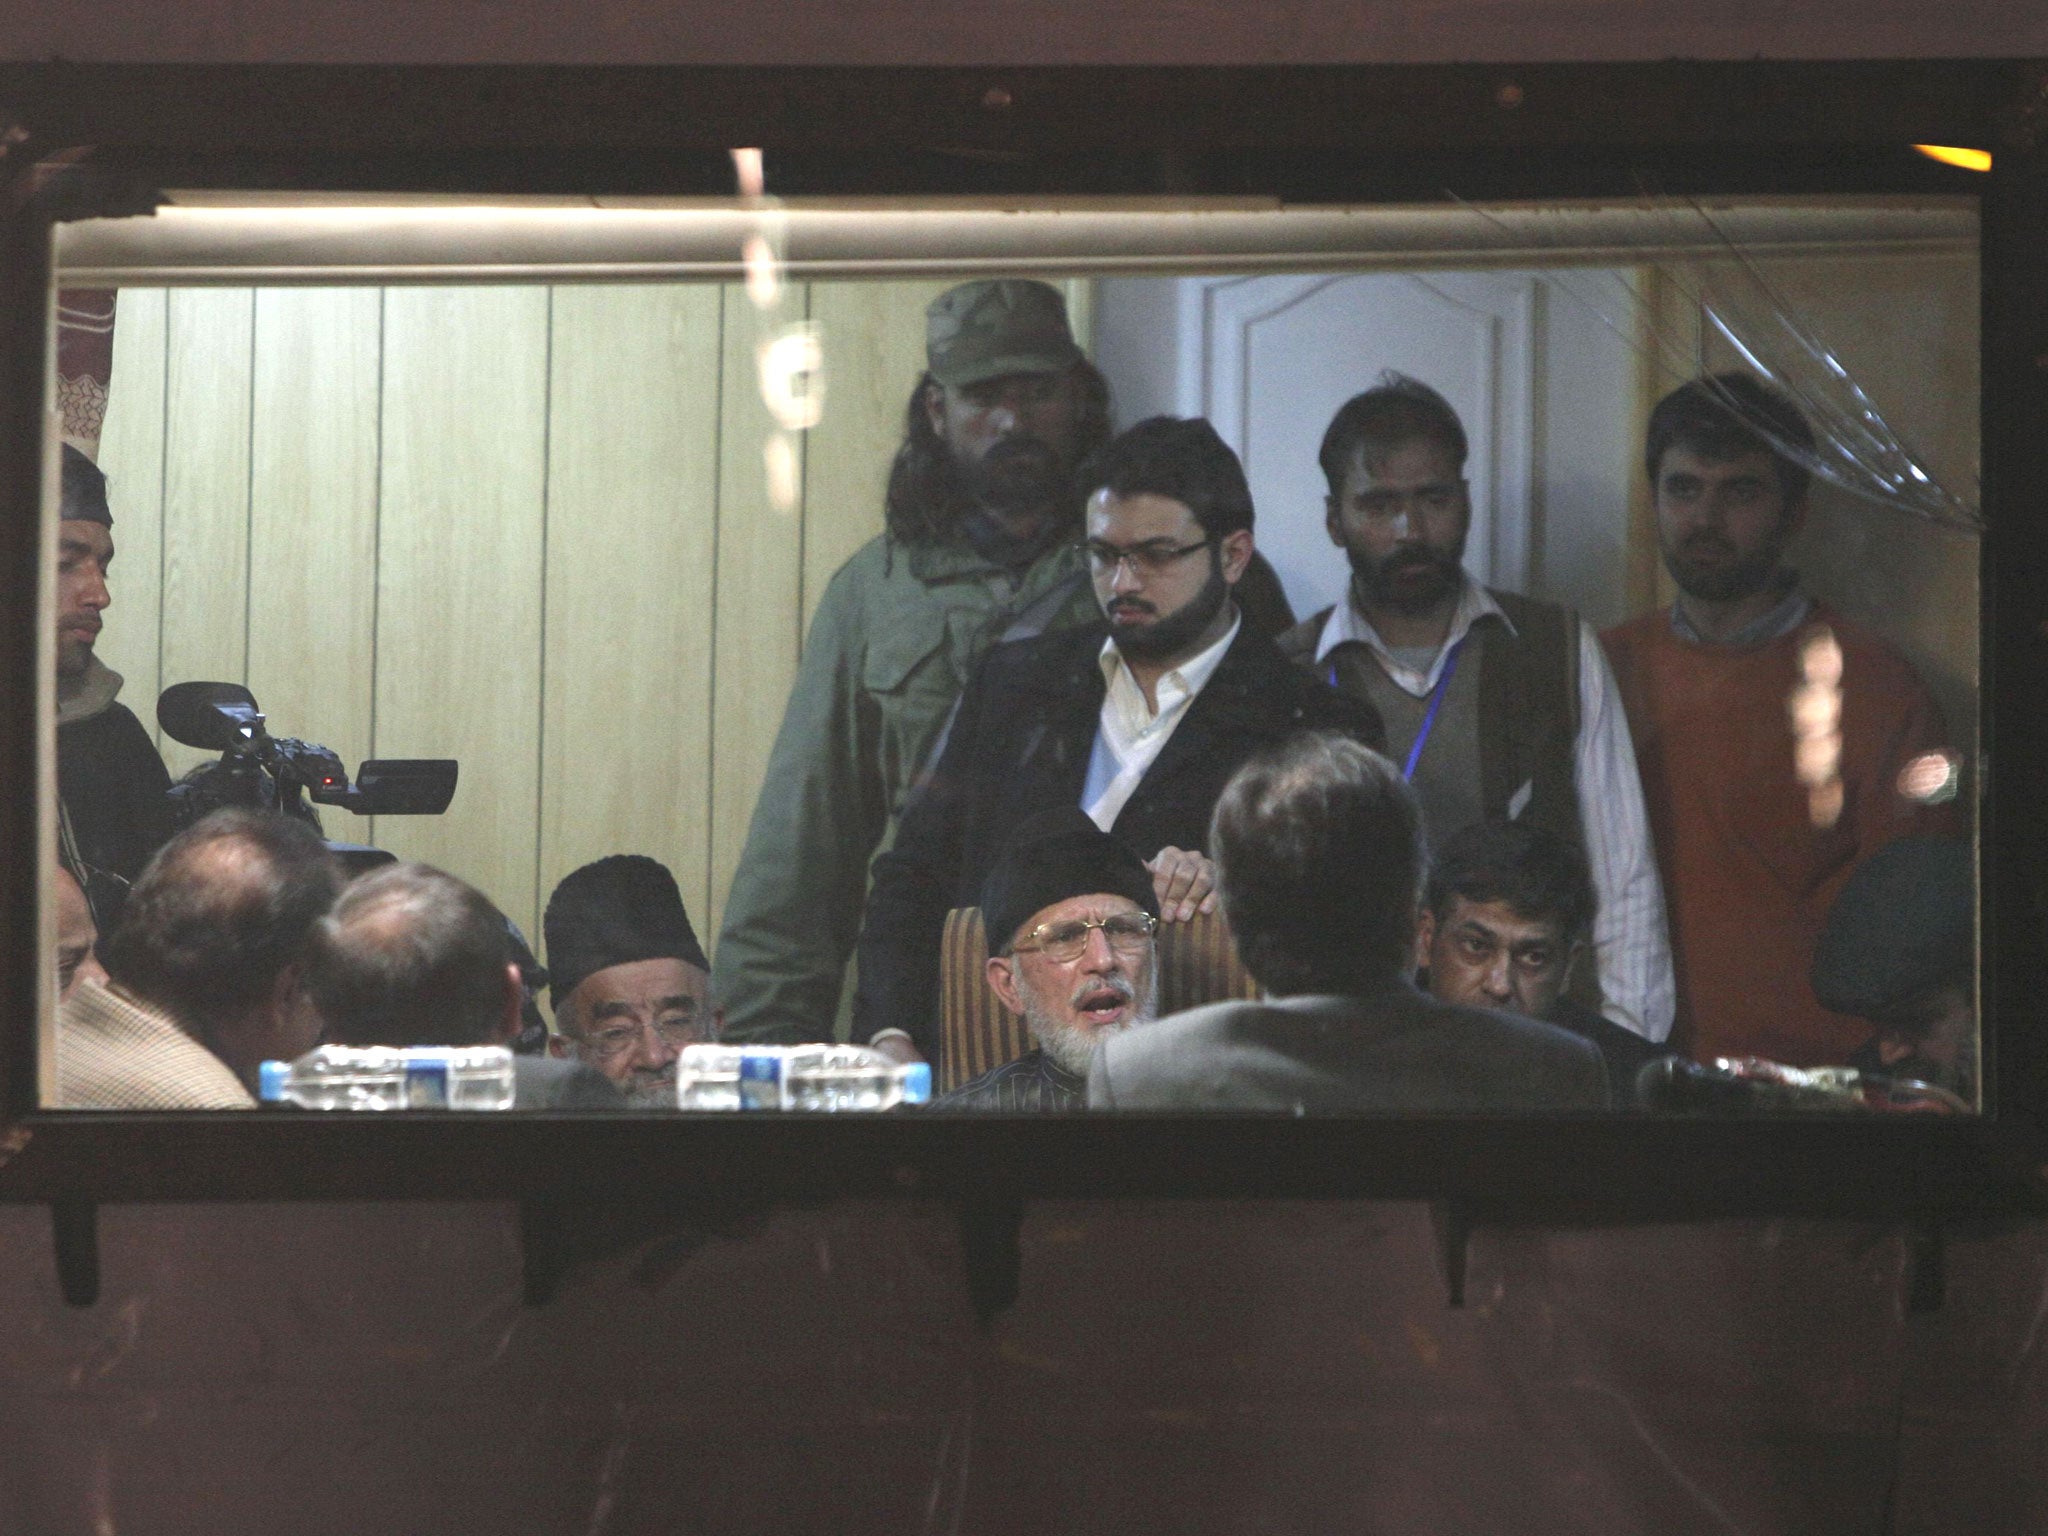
(758, 619)
(459, 573)
(313, 519)
(631, 534)
(132, 454)
(873, 335)
(206, 492)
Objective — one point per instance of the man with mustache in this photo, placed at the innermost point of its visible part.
(982, 519)
(1137, 720)
(1754, 854)
(1070, 914)
(112, 805)
(1497, 707)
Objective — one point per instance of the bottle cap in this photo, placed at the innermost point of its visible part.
(917, 1082)
(270, 1080)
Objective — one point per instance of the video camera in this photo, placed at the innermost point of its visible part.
(271, 773)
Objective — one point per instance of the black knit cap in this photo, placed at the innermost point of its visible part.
(1054, 856)
(614, 912)
(1901, 928)
(84, 491)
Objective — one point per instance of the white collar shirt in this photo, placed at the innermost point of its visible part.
(1346, 624)
(1131, 734)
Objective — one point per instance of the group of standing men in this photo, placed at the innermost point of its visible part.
(976, 665)
(1063, 649)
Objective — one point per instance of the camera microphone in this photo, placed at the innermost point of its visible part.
(214, 717)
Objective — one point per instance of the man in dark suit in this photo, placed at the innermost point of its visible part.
(1139, 721)
(1508, 915)
(1319, 848)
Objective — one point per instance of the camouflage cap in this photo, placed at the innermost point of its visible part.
(983, 330)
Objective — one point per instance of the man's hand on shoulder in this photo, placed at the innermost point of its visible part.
(1184, 880)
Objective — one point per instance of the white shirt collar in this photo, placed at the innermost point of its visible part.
(1174, 688)
(1347, 624)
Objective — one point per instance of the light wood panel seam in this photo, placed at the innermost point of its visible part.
(163, 543)
(547, 512)
(711, 649)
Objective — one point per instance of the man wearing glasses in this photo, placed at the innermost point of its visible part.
(1070, 914)
(628, 979)
(1497, 707)
(1138, 720)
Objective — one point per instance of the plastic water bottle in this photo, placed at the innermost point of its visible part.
(388, 1077)
(813, 1078)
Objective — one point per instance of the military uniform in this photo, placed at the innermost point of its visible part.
(897, 634)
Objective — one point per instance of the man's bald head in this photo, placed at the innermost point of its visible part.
(411, 955)
(220, 914)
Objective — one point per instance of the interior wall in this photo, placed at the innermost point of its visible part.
(524, 527)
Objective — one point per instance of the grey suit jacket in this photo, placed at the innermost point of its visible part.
(1395, 1052)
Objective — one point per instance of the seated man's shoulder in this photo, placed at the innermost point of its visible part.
(1394, 1052)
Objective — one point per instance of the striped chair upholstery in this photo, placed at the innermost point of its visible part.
(1197, 964)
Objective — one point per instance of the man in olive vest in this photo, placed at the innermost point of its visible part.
(1497, 707)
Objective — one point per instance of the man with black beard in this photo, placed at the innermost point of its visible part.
(113, 807)
(1497, 707)
(1755, 844)
(979, 547)
(1138, 720)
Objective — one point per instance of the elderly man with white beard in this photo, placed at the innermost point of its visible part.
(1070, 914)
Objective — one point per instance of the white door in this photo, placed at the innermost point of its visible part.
(1542, 387)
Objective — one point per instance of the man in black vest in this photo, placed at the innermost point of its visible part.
(1497, 707)
(1139, 720)
(111, 785)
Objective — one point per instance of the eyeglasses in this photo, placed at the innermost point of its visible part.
(617, 1039)
(1129, 933)
(1147, 559)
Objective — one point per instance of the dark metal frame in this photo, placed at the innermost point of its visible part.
(1356, 133)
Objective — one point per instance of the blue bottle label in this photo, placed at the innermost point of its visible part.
(426, 1085)
(761, 1080)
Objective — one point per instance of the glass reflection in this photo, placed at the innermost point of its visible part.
(974, 648)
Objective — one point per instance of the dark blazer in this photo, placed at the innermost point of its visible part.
(1020, 744)
(1398, 1051)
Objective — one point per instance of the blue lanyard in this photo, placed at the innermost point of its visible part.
(1436, 702)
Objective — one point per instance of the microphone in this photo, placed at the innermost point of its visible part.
(213, 717)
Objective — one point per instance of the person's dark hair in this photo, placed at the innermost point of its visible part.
(83, 497)
(1726, 415)
(1397, 410)
(1319, 855)
(410, 956)
(1182, 459)
(926, 497)
(220, 912)
(1539, 874)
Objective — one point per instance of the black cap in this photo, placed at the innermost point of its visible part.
(1902, 927)
(84, 491)
(1053, 857)
(614, 912)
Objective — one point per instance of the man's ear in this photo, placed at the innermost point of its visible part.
(558, 1046)
(515, 1006)
(1425, 936)
(1333, 524)
(1572, 951)
(935, 405)
(1002, 980)
(1795, 516)
(1235, 551)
